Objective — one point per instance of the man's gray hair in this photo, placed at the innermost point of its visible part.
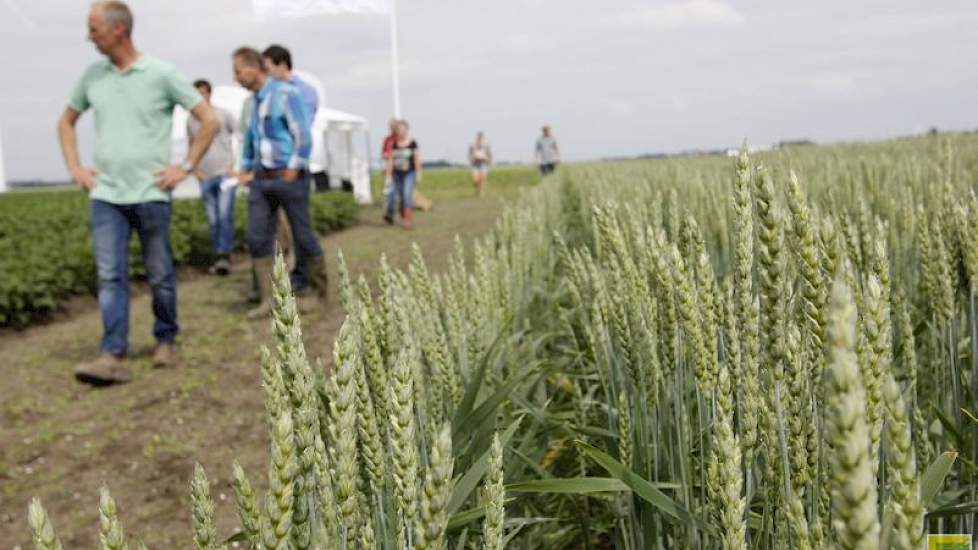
(114, 11)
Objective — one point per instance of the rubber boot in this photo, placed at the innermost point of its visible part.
(263, 276)
(254, 293)
(319, 283)
(408, 215)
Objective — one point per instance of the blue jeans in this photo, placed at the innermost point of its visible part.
(112, 226)
(265, 195)
(402, 192)
(219, 207)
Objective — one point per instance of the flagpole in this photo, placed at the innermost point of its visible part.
(394, 67)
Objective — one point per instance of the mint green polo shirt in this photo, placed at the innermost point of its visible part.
(133, 119)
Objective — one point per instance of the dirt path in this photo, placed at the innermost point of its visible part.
(61, 441)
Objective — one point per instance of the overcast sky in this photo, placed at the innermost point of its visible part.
(618, 77)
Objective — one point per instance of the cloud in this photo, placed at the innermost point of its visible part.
(617, 106)
(25, 99)
(681, 14)
(375, 74)
(832, 84)
(633, 76)
(19, 13)
(524, 42)
(680, 103)
(363, 76)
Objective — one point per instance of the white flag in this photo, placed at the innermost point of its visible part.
(298, 8)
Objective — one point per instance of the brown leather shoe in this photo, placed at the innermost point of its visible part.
(165, 355)
(108, 369)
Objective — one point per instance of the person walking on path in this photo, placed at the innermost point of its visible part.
(404, 170)
(274, 163)
(547, 153)
(132, 95)
(417, 199)
(480, 158)
(217, 189)
(278, 62)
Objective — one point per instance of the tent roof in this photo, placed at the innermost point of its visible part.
(332, 118)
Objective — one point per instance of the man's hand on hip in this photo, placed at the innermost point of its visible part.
(84, 177)
(289, 176)
(170, 177)
(244, 178)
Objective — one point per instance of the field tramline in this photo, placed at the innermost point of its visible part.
(768, 352)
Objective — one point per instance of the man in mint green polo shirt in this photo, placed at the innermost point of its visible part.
(132, 96)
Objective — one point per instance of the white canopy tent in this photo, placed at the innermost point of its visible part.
(340, 141)
(343, 150)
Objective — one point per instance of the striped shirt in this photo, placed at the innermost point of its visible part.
(278, 134)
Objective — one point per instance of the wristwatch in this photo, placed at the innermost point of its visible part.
(187, 167)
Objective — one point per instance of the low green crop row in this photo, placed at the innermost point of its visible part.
(46, 250)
